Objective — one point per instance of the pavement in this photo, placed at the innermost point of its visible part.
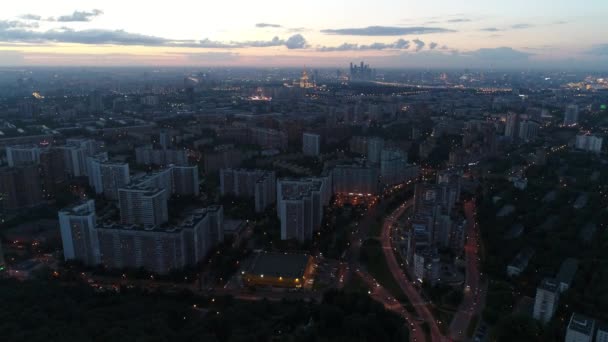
(474, 292)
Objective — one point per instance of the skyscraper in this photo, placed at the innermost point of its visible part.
(22, 154)
(20, 187)
(512, 125)
(77, 226)
(547, 298)
(143, 205)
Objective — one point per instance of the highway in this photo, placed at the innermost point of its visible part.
(474, 294)
(421, 307)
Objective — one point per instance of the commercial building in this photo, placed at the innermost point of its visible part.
(547, 298)
(257, 184)
(278, 270)
(311, 144)
(580, 329)
(141, 205)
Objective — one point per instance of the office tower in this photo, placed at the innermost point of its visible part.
(393, 166)
(159, 249)
(512, 125)
(164, 139)
(589, 142)
(77, 226)
(547, 298)
(52, 171)
(17, 155)
(20, 187)
(361, 73)
(257, 184)
(146, 155)
(528, 130)
(354, 179)
(571, 115)
(300, 206)
(185, 180)
(311, 144)
(143, 205)
(580, 329)
(374, 150)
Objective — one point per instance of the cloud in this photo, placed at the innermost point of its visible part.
(78, 16)
(264, 25)
(599, 50)
(30, 17)
(419, 44)
(500, 54)
(433, 45)
(459, 20)
(521, 26)
(490, 29)
(15, 25)
(400, 44)
(385, 31)
(16, 32)
(212, 56)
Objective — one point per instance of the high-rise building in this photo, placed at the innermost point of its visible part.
(311, 144)
(571, 115)
(20, 187)
(113, 177)
(355, 179)
(143, 205)
(52, 171)
(547, 298)
(602, 333)
(94, 170)
(75, 153)
(164, 139)
(17, 155)
(528, 130)
(358, 144)
(300, 205)
(2, 263)
(512, 125)
(374, 150)
(580, 329)
(77, 226)
(185, 180)
(589, 142)
(257, 184)
(394, 168)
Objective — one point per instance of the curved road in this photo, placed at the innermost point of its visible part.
(421, 307)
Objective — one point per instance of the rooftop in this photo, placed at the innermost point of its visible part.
(581, 324)
(567, 271)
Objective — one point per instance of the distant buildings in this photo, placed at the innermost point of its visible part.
(23, 154)
(257, 184)
(589, 142)
(528, 130)
(512, 125)
(375, 146)
(547, 298)
(394, 168)
(279, 270)
(361, 72)
(520, 262)
(311, 144)
(107, 177)
(571, 115)
(354, 179)
(75, 153)
(77, 224)
(146, 155)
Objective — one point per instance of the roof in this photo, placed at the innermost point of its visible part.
(279, 265)
(567, 271)
(549, 284)
(581, 324)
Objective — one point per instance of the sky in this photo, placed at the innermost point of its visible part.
(567, 34)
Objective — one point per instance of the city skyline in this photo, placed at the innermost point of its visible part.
(388, 34)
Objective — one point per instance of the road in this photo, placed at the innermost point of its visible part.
(474, 294)
(421, 307)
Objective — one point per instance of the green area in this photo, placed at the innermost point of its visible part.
(46, 311)
(373, 258)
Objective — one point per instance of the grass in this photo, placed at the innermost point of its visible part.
(373, 257)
